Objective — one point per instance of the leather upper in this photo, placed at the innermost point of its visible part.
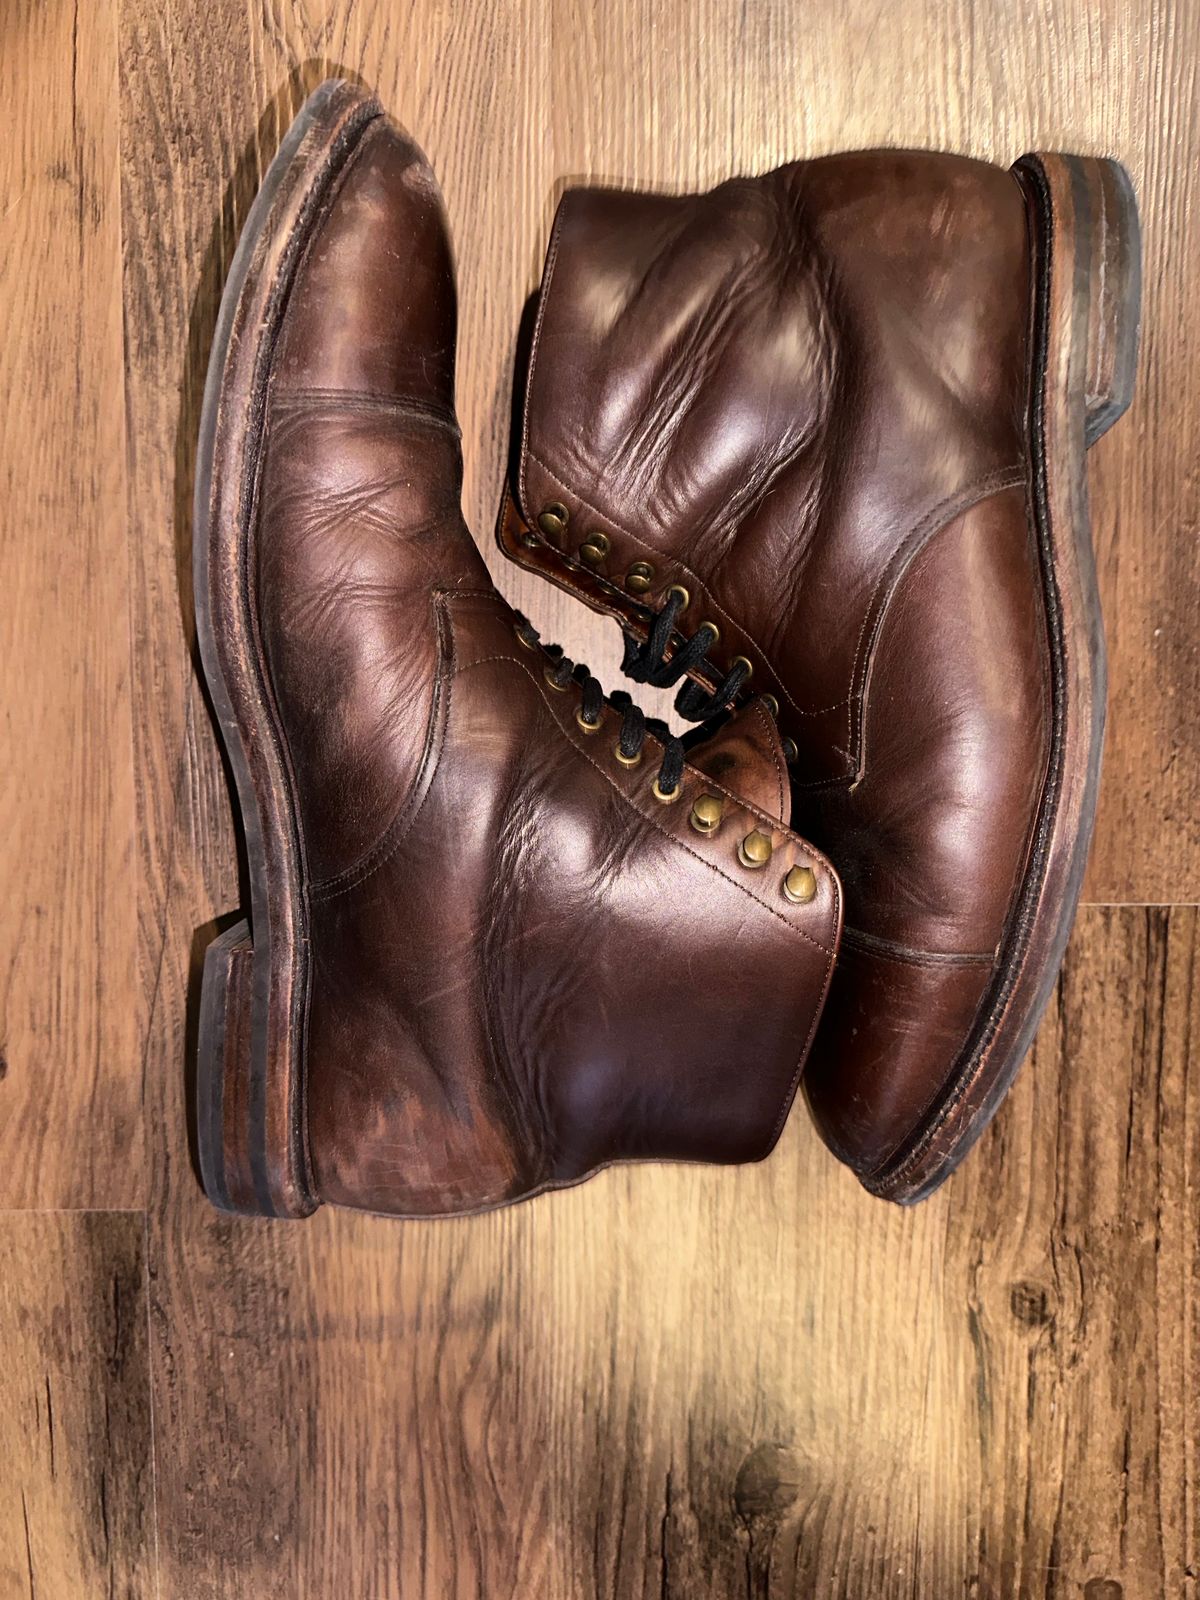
(804, 398)
(524, 965)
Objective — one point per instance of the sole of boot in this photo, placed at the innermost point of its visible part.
(254, 996)
(1086, 305)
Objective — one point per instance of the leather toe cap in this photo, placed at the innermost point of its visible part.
(372, 307)
(884, 1054)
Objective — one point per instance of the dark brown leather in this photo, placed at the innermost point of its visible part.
(524, 966)
(804, 397)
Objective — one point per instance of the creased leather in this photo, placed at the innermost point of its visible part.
(523, 965)
(804, 397)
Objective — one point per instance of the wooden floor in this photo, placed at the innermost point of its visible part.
(671, 1382)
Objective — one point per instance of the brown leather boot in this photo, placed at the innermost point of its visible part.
(501, 934)
(824, 431)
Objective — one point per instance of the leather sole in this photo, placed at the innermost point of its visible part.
(254, 995)
(1087, 292)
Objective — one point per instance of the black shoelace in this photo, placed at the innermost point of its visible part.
(647, 663)
(562, 672)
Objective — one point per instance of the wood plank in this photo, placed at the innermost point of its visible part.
(70, 1068)
(677, 1381)
(673, 1381)
(76, 1485)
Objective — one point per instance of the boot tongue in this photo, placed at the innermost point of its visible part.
(745, 756)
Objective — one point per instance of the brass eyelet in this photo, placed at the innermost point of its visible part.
(755, 850)
(634, 760)
(706, 813)
(595, 548)
(667, 799)
(559, 688)
(790, 751)
(523, 638)
(530, 540)
(747, 663)
(714, 633)
(800, 886)
(639, 577)
(553, 519)
(771, 704)
(588, 727)
(685, 597)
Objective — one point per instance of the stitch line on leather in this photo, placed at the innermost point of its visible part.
(707, 781)
(671, 838)
(439, 715)
(908, 955)
(536, 342)
(491, 601)
(790, 1097)
(777, 763)
(947, 511)
(302, 399)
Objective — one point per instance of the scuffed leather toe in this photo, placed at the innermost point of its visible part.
(373, 305)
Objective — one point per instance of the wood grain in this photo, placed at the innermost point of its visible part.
(677, 1381)
(670, 1382)
(70, 1068)
(76, 1488)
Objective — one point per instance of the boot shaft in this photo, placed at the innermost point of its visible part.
(764, 394)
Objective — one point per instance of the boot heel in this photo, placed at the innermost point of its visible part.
(1091, 204)
(245, 1167)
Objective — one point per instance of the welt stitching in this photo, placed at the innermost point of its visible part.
(672, 838)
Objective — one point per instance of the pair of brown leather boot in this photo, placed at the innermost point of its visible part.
(817, 440)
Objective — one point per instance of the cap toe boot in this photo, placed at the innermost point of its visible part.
(501, 933)
(842, 410)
